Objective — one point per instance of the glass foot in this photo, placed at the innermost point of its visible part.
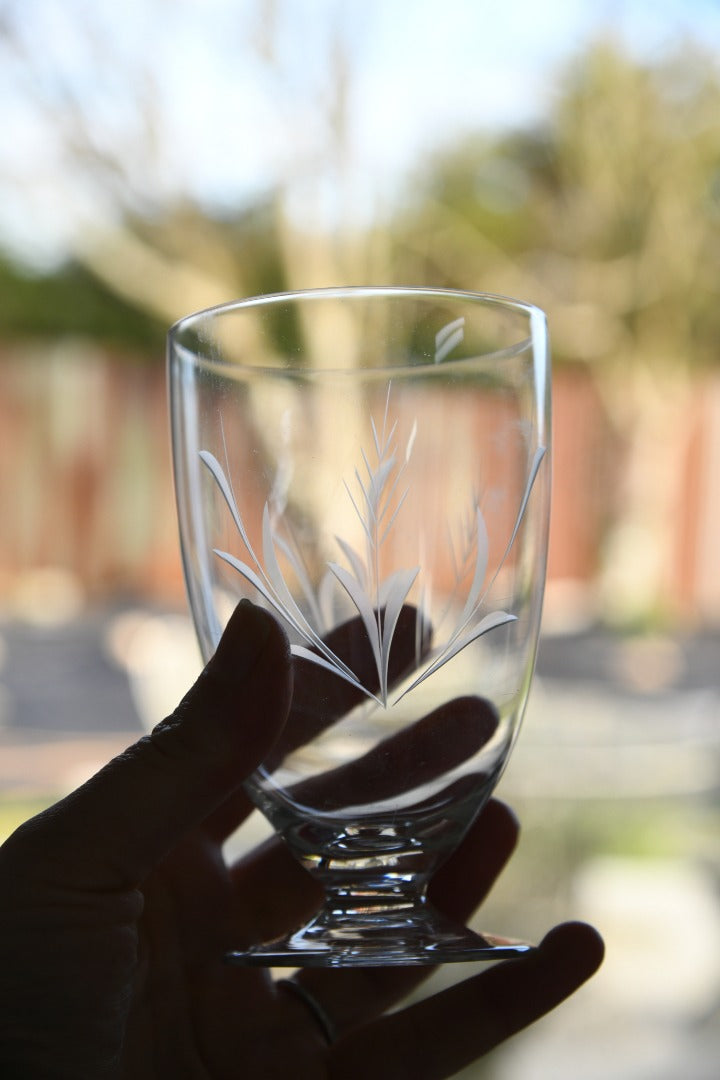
(401, 942)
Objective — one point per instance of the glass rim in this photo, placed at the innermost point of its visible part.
(533, 313)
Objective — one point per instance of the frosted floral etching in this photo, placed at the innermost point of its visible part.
(377, 497)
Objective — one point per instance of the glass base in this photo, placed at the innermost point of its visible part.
(357, 942)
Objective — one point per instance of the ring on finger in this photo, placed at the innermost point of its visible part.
(317, 1010)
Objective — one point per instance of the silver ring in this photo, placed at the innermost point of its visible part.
(319, 1014)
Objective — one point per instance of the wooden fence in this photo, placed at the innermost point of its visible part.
(85, 483)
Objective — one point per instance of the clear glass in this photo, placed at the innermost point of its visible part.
(372, 465)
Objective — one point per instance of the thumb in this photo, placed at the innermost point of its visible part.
(113, 830)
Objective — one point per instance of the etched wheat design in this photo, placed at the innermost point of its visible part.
(377, 500)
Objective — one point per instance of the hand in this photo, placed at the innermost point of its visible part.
(116, 907)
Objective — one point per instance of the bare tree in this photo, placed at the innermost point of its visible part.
(120, 166)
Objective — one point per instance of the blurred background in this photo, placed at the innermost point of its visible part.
(159, 157)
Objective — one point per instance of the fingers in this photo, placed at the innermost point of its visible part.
(228, 817)
(437, 1037)
(273, 894)
(113, 830)
(438, 742)
(354, 996)
(424, 751)
(466, 878)
(320, 697)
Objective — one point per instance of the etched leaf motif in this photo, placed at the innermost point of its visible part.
(448, 337)
(397, 595)
(320, 661)
(490, 622)
(482, 545)
(313, 602)
(365, 609)
(249, 574)
(356, 564)
(378, 601)
(216, 469)
(534, 467)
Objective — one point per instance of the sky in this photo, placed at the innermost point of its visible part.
(222, 99)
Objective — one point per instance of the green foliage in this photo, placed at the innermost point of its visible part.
(608, 216)
(13, 812)
(71, 301)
